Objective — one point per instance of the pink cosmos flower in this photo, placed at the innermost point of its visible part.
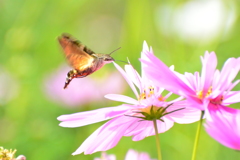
(131, 155)
(104, 156)
(134, 155)
(209, 91)
(225, 128)
(81, 91)
(133, 118)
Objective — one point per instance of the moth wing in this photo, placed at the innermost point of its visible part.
(80, 62)
(77, 54)
(67, 41)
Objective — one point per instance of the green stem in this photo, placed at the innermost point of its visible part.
(157, 140)
(197, 137)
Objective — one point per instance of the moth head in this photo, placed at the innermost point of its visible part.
(108, 58)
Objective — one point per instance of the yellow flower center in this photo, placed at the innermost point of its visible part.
(142, 96)
(147, 93)
(209, 91)
(151, 91)
(217, 100)
(151, 113)
(6, 154)
(201, 95)
(149, 108)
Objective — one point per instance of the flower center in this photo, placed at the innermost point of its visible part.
(147, 93)
(153, 109)
(202, 95)
(217, 100)
(7, 154)
(151, 113)
(142, 95)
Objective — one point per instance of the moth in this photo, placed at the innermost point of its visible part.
(83, 60)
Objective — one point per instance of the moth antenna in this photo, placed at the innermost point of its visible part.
(114, 50)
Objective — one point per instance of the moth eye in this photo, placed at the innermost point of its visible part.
(109, 59)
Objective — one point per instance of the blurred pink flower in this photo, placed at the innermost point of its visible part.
(21, 157)
(132, 119)
(82, 90)
(134, 155)
(210, 91)
(224, 127)
(104, 156)
(131, 155)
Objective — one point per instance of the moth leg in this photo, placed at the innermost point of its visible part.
(70, 75)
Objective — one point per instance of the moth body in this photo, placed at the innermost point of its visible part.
(82, 59)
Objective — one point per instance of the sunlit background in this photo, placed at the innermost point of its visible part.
(33, 68)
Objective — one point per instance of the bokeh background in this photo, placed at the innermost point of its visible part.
(33, 68)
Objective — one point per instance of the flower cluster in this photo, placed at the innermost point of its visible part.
(210, 91)
(131, 155)
(6, 154)
(151, 112)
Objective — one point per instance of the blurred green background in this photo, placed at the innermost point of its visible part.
(179, 32)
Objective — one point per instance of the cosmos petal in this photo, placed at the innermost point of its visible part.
(233, 85)
(134, 76)
(105, 137)
(186, 115)
(209, 64)
(121, 98)
(228, 73)
(225, 128)
(232, 97)
(89, 117)
(125, 76)
(148, 128)
(136, 127)
(162, 76)
(145, 50)
(187, 78)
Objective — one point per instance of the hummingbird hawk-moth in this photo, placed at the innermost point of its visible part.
(82, 59)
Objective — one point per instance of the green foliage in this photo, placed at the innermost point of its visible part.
(29, 51)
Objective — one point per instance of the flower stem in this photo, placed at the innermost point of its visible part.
(157, 140)
(197, 137)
